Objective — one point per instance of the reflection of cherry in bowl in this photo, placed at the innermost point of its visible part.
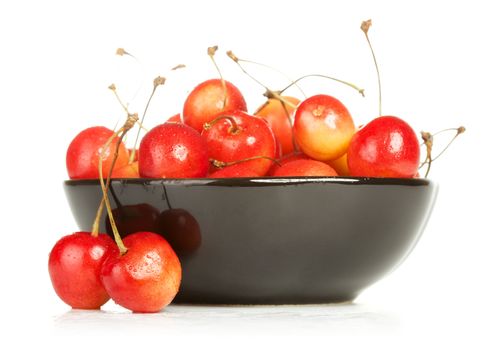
(180, 229)
(279, 240)
(133, 218)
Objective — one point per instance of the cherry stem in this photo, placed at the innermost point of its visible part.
(365, 28)
(361, 91)
(269, 93)
(220, 164)
(238, 60)
(129, 123)
(156, 82)
(234, 129)
(428, 138)
(113, 88)
(211, 52)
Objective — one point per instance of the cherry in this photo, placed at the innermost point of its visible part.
(75, 264)
(180, 229)
(385, 147)
(147, 277)
(278, 114)
(84, 152)
(323, 127)
(340, 165)
(237, 136)
(304, 167)
(173, 150)
(128, 171)
(235, 170)
(177, 118)
(208, 99)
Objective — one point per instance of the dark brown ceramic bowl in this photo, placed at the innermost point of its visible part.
(271, 240)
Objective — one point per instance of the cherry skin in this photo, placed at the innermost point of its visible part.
(208, 99)
(133, 218)
(323, 127)
(84, 152)
(177, 118)
(340, 165)
(147, 277)
(237, 136)
(180, 229)
(173, 150)
(304, 167)
(288, 158)
(128, 171)
(236, 170)
(278, 116)
(75, 264)
(386, 147)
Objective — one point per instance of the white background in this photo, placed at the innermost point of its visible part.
(436, 59)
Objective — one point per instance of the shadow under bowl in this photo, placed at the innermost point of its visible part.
(271, 240)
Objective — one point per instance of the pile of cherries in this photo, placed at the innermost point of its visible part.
(214, 136)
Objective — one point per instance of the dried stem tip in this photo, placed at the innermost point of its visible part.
(121, 52)
(232, 56)
(366, 25)
(212, 50)
(178, 66)
(159, 81)
(112, 87)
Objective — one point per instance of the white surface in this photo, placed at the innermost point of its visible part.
(57, 58)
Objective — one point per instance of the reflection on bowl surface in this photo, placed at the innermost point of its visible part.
(274, 240)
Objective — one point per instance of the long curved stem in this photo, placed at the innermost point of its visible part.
(360, 90)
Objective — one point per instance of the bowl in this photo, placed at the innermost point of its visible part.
(271, 240)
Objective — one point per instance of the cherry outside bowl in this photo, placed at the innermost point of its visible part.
(272, 240)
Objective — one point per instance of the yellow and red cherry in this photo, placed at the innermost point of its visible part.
(177, 118)
(279, 117)
(340, 165)
(323, 127)
(385, 147)
(173, 150)
(75, 264)
(84, 151)
(208, 99)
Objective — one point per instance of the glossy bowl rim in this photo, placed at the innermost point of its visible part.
(262, 181)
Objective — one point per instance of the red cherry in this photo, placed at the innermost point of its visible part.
(386, 147)
(275, 113)
(323, 127)
(134, 218)
(84, 152)
(180, 229)
(74, 265)
(304, 167)
(147, 277)
(288, 158)
(237, 136)
(173, 150)
(175, 119)
(206, 100)
(236, 170)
